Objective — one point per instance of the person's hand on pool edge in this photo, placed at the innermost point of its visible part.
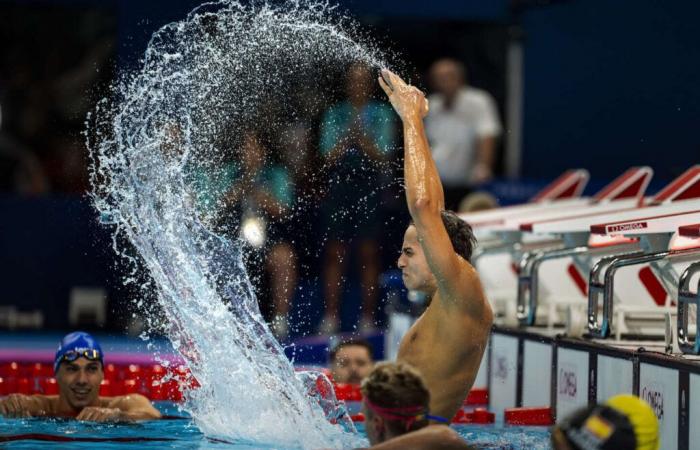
(98, 414)
(16, 406)
(131, 407)
(127, 408)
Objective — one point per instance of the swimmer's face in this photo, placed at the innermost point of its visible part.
(352, 364)
(414, 267)
(79, 382)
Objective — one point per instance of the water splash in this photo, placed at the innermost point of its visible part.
(203, 80)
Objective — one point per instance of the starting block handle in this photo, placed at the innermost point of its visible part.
(685, 298)
(524, 288)
(603, 331)
(528, 280)
(596, 294)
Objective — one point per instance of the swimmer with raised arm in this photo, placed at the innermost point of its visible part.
(447, 342)
(79, 372)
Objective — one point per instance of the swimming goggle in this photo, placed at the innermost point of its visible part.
(89, 354)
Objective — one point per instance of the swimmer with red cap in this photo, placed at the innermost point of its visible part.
(78, 367)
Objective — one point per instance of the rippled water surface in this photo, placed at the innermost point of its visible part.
(183, 434)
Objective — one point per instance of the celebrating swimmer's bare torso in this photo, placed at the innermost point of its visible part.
(443, 347)
(447, 342)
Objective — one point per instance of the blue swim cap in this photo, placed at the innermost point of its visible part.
(82, 344)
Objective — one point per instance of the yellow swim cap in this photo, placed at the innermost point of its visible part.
(642, 418)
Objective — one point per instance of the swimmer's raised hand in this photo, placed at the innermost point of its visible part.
(408, 101)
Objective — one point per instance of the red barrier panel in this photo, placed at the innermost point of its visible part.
(49, 386)
(106, 388)
(348, 392)
(132, 372)
(478, 416)
(323, 386)
(3, 387)
(477, 396)
(39, 370)
(111, 372)
(11, 385)
(358, 417)
(130, 386)
(529, 416)
(10, 370)
(184, 374)
(24, 386)
(155, 373)
(171, 391)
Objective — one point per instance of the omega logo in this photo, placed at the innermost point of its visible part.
(655, 400)
(501, 370)
(567, 383)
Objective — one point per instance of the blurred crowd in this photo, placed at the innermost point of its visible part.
(315, 198)
(52, 68)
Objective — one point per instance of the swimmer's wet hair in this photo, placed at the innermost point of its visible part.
(397, 385)
(460, 232)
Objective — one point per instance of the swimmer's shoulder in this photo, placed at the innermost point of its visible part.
(466, 294)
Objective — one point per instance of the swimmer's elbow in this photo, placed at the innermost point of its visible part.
(423, 205)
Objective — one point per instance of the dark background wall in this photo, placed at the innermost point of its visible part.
(609, 84)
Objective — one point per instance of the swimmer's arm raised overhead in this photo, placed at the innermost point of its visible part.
(457, 280)
(434, 437)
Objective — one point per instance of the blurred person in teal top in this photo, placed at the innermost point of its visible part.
(356, 142)
(252, 194)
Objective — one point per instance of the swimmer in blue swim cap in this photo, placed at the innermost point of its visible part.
(78, 367)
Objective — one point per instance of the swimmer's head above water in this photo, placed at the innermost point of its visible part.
(351, 361)
(79, 369)
(396, 408)
(415, 270)
(623, 422)
(395, 401)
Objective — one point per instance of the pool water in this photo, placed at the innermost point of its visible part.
(178, 432)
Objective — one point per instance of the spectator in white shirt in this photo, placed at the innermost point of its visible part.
(463, 128)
